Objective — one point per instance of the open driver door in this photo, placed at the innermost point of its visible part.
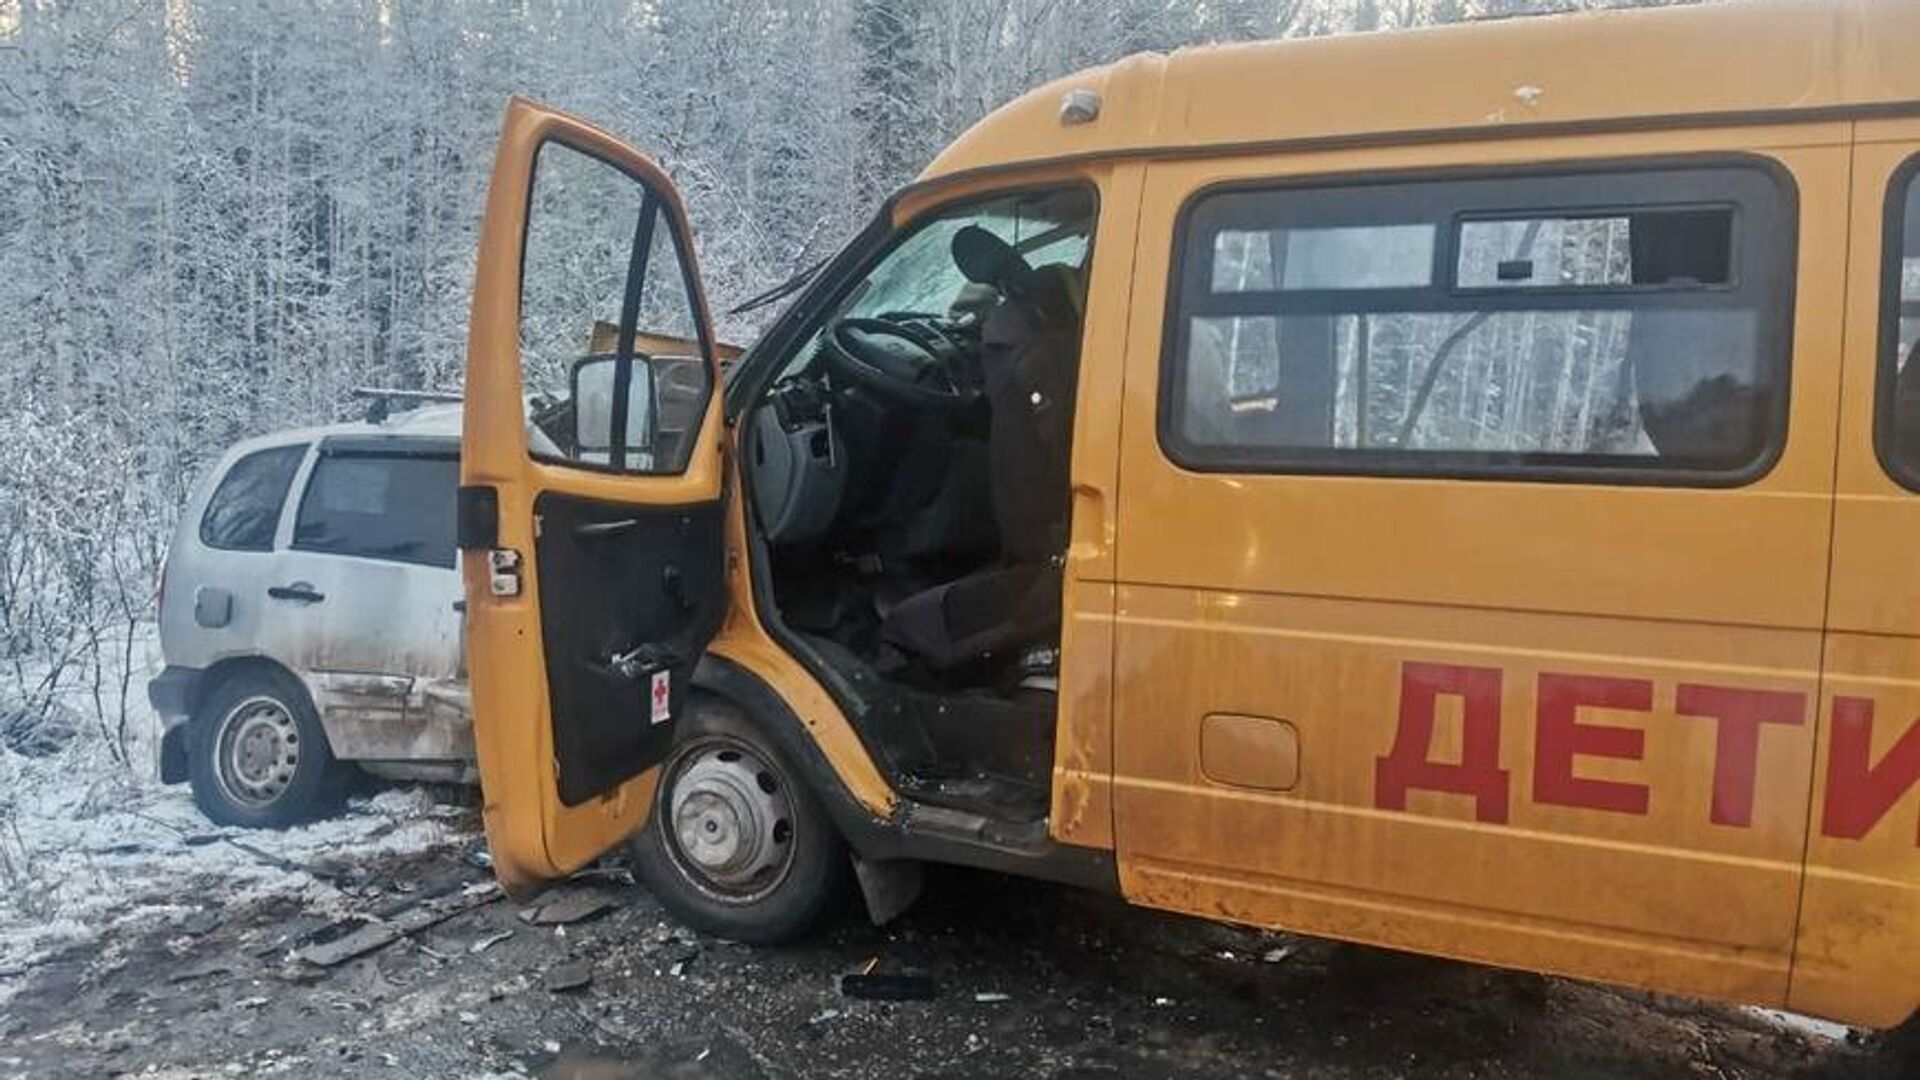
(592, 480)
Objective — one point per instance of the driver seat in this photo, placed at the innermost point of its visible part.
(1030, 352)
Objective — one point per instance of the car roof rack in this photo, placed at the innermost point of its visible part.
(381, 400)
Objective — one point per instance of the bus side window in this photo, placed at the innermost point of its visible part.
(1632, 322)
(1899, 427)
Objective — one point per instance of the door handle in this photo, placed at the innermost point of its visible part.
(299, 592)
(602, 529)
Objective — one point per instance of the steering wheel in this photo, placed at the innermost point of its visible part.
(895, 362)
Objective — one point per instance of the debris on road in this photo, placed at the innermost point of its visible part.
(489, 942)
(358, 935)
(354, 941)
(565, 906)
(569, 976)
(618, 875)
(1020, 997)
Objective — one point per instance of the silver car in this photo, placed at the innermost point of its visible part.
(311, 615)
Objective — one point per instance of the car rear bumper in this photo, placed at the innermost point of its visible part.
(173, 693)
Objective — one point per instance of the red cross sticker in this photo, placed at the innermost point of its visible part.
(662, 696)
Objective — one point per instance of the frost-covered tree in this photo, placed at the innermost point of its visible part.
(217, 216)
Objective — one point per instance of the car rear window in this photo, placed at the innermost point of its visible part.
(245, 508)
(397, 507)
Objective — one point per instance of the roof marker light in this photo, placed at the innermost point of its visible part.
(1080, 106)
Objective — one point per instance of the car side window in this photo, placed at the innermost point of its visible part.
(1898, 423)
(1598, 325)
(244, 510)
(396, 507)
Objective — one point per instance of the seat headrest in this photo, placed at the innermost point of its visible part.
(985, 258)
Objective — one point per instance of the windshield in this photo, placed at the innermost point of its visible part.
(919, 275)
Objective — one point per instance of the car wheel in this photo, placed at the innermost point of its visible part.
(736, 845)
(259, 758)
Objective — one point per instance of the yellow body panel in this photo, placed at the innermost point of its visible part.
(1469, 82)
(1860, 918)
(1301, 613)
(1303, 598)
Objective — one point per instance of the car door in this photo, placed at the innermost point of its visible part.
(362, 600)
(594, 559)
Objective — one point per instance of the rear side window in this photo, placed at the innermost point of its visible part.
(1898, 423)
(1631, 324)
(394, 507)
(245, 507)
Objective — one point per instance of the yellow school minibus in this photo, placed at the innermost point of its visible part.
(1455, 490)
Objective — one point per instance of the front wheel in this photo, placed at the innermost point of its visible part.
(736, 845)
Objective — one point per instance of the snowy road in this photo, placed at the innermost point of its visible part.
(196, 975)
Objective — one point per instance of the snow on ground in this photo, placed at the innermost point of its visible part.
(89, 846)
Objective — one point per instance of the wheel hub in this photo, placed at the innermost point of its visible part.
(730, 820)
(259, 751)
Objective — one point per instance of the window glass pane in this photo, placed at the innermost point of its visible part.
(245, 508)
(1343, 257)
(1679, 384)
(1650, 371)
(1901, 443)
(1655, 248)
(1236, 367)
(600, 249)
(1544, 253)
(396, 508)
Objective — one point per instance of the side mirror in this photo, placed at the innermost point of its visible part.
(595, 379)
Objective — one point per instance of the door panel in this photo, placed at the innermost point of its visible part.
(369, 627)
(592, 486)
(616, 574)
(1558, 723)
(362, 598)
(1860, 918)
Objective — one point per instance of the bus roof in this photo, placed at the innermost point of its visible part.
(1751, 61)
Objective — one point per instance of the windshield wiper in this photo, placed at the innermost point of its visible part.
(779, 292)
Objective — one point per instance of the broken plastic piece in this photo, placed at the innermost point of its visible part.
(566, 906)
(489, 941)
(569, 976)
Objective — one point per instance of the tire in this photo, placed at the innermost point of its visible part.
(257, 756)
(775, 863)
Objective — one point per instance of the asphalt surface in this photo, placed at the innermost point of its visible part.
(1027, 980)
